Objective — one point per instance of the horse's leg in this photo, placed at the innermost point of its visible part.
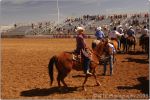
(86, 77)
(123, 47)
(126, 46)
(97, 82)
(134, 47)
(58, 80)
(62, 79)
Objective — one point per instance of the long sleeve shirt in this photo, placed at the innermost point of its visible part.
(114, 34)
(131, 32)
(99, 34)
(80, 43)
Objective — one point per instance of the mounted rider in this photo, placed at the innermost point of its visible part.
(144, 33)
(99, 37)
(131, 33)
(99, 33)
(114, 35)
(81, 49)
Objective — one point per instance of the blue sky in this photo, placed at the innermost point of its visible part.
(26, 11)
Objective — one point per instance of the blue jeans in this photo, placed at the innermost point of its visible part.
(111, 65)
(119, 44)
(86, 64)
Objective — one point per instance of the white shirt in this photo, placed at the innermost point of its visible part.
(112, 46)
(114, 34)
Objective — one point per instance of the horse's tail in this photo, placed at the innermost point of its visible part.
(52, 61)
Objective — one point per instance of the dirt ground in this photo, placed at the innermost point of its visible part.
(24, 72)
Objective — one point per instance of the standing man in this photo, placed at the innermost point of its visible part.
(110, 58)
(120, 30)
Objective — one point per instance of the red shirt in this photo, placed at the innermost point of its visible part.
(80, 43)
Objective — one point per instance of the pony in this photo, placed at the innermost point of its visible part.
(64, 64)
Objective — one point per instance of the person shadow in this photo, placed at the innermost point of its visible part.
(47, 91)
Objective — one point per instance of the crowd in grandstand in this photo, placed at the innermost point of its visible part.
(90, 23)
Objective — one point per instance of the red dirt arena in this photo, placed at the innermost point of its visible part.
(24, 72)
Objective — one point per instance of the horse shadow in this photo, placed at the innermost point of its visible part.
(141, 61)
(76, 76)
(143, 86)
(136, 53)
(47, 91)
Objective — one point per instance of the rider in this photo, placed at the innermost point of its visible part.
(99, 34)
(114, 34)
(81, 48)
(144, 33)
(110, 59)
(131, 32)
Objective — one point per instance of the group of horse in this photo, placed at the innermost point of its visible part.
(64, 61)
(129, 42)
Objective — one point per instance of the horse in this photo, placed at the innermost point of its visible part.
(144, 42)
(95, 43)
(64, 64)
(130, 42)
(115, 43)
(123, 41)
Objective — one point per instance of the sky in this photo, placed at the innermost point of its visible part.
(28, 11)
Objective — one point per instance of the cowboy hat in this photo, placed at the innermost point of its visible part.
(79, 29)
(99, 28)
(130, 27)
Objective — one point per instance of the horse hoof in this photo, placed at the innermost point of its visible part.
(83, 88)
(98, 84)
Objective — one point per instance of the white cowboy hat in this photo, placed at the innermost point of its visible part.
(99, 28)
(130, 27)
(79, 29)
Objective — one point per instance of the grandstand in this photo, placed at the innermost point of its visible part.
(69, 25)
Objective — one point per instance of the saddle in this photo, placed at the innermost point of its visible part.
(76, 57)
(78, 61)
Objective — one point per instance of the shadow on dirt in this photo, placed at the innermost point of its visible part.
(47, 91)
(76, 76)
(141, 61)
(135, 53)
(143, 86)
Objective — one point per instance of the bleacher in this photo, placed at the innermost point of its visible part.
(66, 28)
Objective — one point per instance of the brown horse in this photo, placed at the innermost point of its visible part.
(144, 42)
(130, 42)
(64, 64)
